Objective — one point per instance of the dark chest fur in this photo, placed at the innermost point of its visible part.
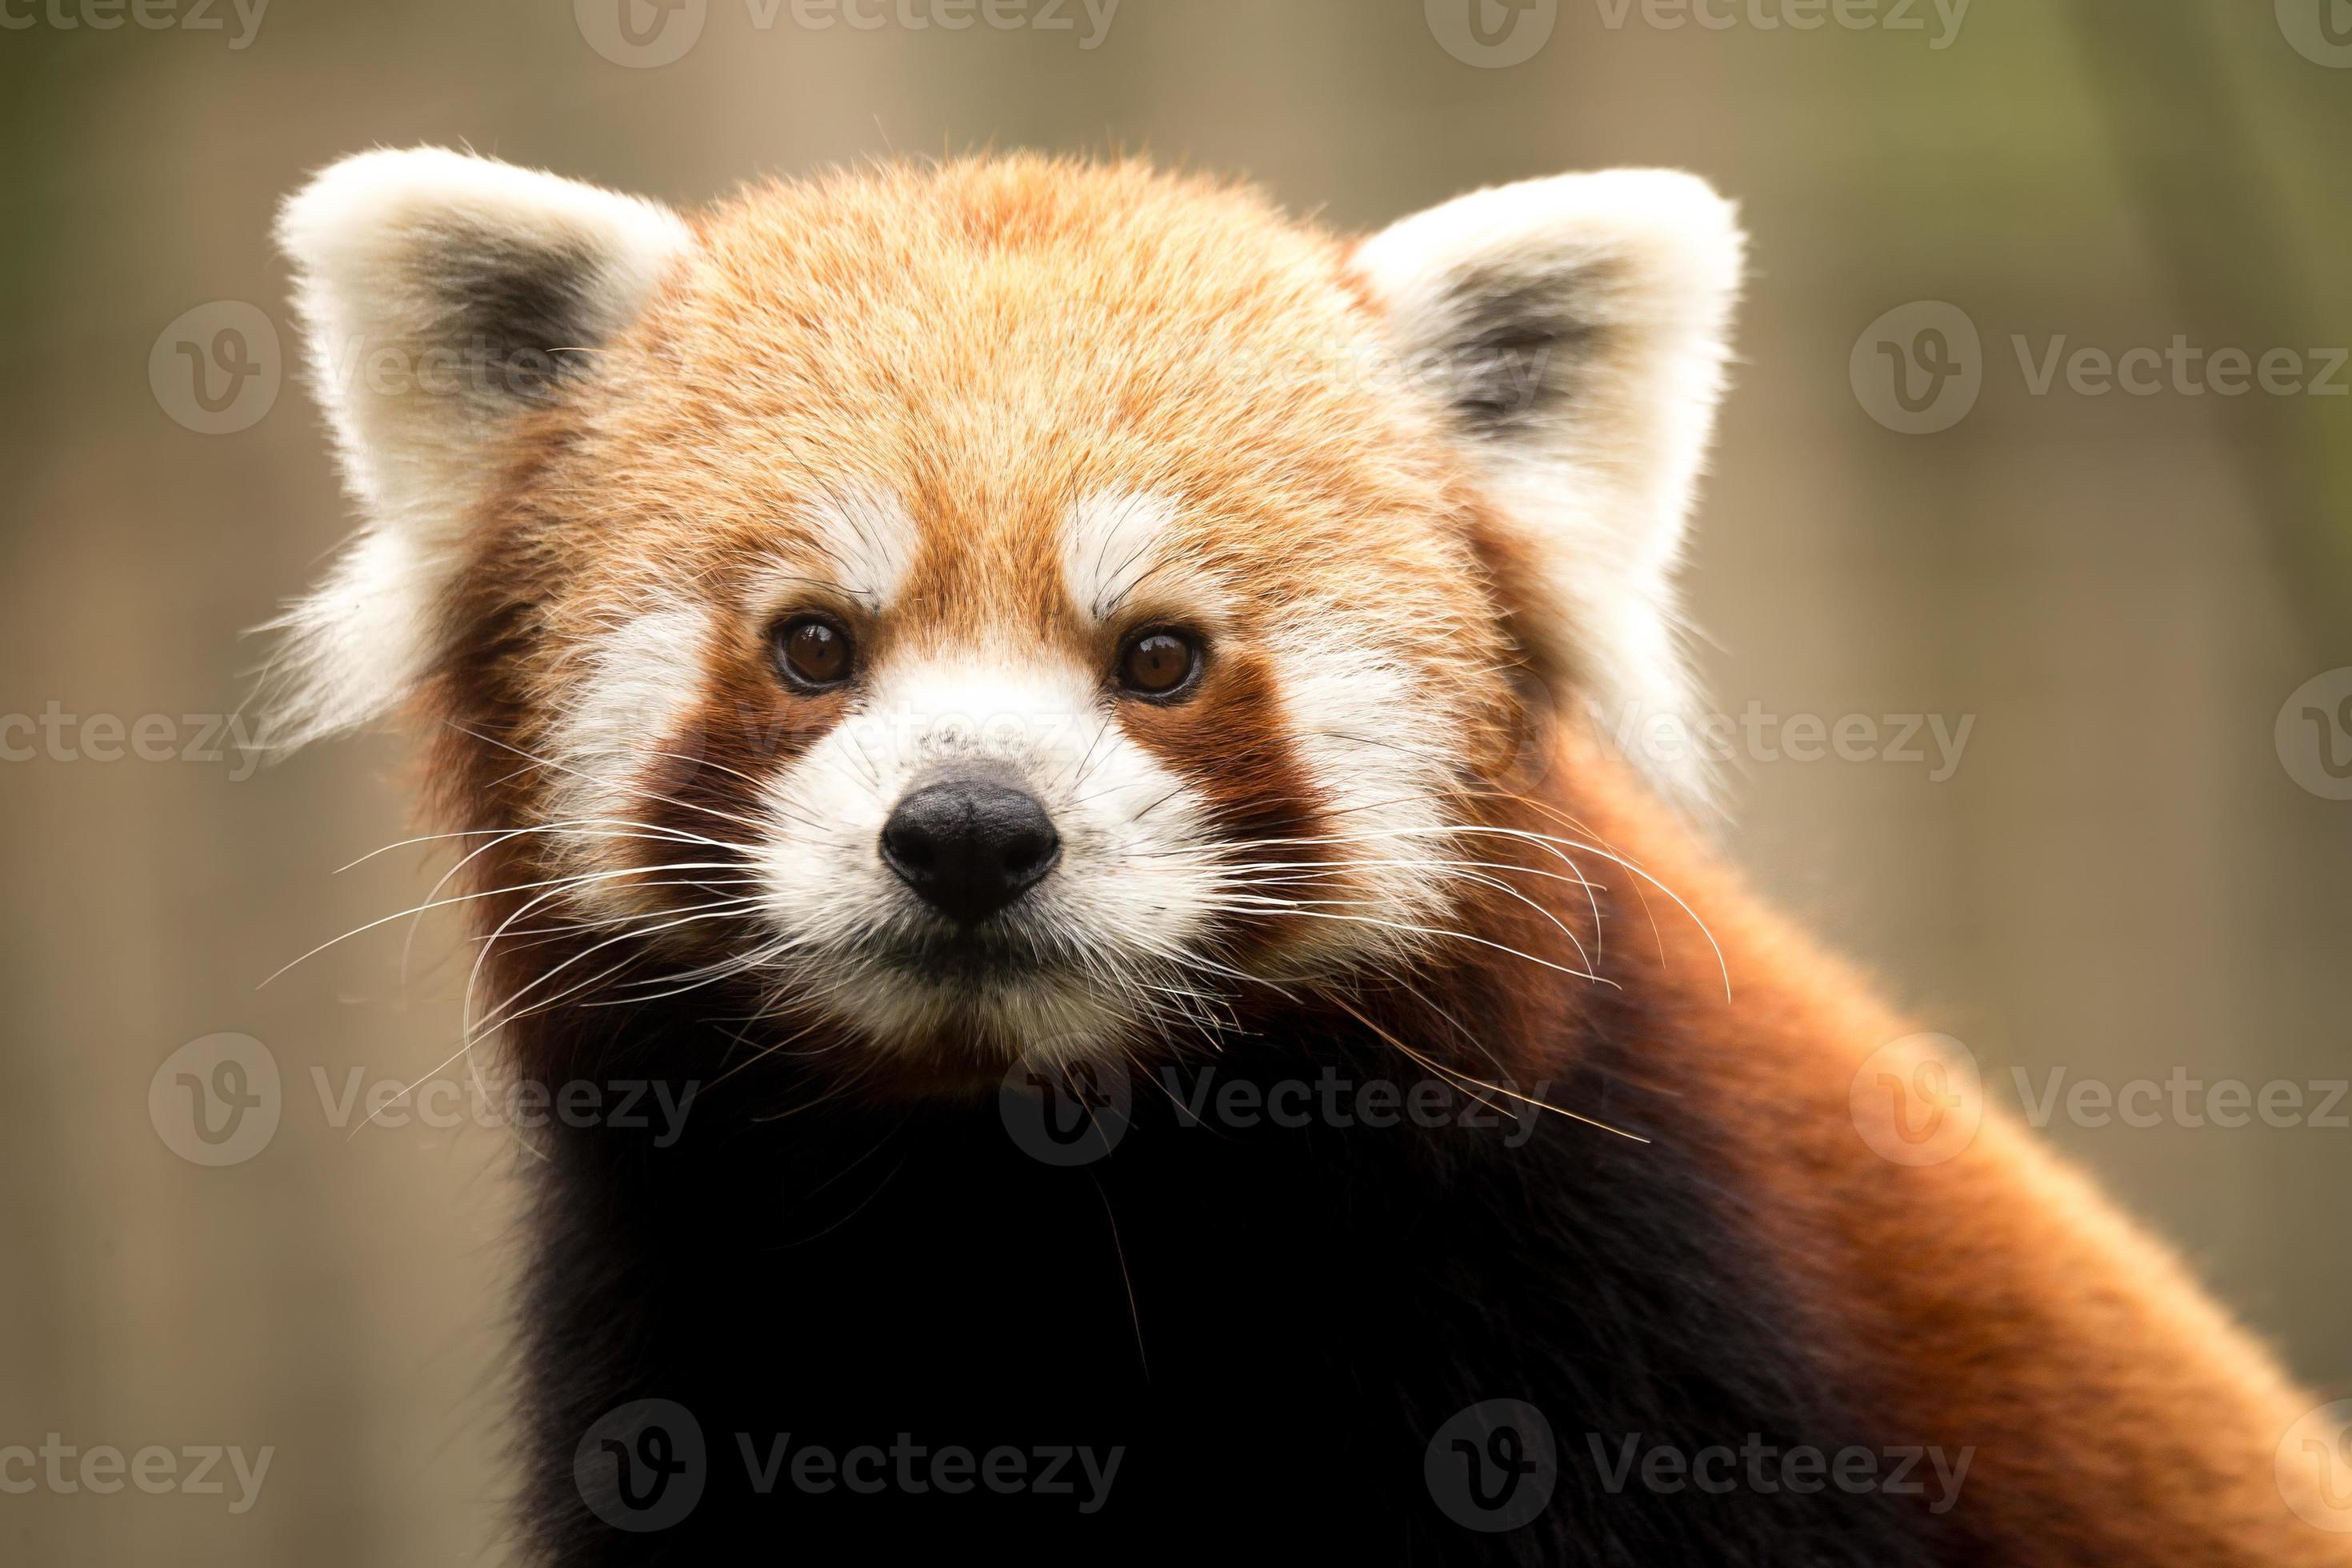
(1264, 1326)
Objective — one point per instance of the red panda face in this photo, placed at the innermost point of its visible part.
(1007, 607)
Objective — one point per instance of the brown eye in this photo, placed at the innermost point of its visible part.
(1160, 664)
(813, 651)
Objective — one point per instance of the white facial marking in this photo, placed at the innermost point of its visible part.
(642, 685)
(1109, 922)
(866, 533)
(1110, 544)
(1383, 766)
(1116, 544)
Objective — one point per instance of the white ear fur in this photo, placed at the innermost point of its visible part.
(1577, 328)
(438, 294)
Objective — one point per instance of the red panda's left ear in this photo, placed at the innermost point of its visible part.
(1576, 330)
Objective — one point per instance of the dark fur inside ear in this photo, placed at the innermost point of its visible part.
(1521, 341)
(523, 314)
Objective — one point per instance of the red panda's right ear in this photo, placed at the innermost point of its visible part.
(440, 295)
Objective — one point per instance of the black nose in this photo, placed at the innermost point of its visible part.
(970, 846)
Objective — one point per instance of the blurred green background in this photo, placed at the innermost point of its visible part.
(2121, 877)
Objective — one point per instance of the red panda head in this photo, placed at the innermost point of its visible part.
(1001, 606)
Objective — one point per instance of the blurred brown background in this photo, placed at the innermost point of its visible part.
(2122, 876)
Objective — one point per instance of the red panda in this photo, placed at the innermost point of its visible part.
(934, 646)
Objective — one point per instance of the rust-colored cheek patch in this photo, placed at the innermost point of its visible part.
(710, 776)
(1230, 744)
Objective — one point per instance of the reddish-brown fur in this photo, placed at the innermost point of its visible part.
(1993, 1299)
(994, 339)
